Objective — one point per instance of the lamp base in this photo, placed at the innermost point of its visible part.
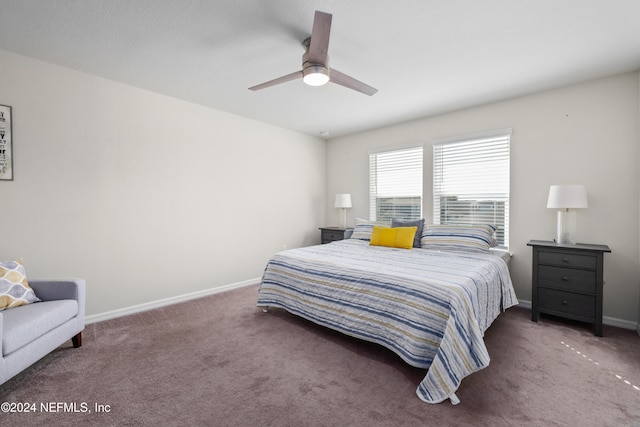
(566, 232)
(343, 218)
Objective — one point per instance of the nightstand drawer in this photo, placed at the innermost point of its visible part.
(567, 278)
(333, 234)
(567, 302)
(330, 236)
(567, 260)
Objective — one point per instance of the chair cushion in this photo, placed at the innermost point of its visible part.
(24, 324)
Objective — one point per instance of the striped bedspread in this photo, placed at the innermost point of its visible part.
(430, 307)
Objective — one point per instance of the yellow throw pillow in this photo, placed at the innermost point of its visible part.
(397, 237)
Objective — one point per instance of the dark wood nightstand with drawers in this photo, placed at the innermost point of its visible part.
(567, 281)
(332, 234)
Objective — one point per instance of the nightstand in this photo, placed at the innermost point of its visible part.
(567, 281)
(332, 234)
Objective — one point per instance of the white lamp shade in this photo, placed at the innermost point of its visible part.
(343, 201)
(567, 197)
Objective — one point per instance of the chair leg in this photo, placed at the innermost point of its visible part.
(77, 340)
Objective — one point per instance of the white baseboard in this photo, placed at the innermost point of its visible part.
(611, 321)
(166, 301)
(524, 304)
(620, 323)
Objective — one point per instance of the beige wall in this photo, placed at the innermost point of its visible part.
(149, 197)
(584, 134)
(145, 196)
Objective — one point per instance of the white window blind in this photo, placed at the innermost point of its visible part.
(395, 182)
(471, 182)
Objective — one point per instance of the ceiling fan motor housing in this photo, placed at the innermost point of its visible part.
(314, 74)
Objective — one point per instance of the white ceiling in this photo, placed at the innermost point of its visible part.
(424, 56)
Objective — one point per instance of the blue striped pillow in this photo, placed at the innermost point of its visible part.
(364, 228)
(476, 238)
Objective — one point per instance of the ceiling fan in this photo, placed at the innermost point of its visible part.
(315, 62)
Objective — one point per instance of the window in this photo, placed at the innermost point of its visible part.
(471, 181)
(395, 184)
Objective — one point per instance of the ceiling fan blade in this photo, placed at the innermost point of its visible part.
(283, 79)
(348, 81)
(319, 44)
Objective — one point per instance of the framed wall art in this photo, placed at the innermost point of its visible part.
(6, 148)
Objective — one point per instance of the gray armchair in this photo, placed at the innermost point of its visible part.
(32, 331)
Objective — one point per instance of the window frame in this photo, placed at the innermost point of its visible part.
(481, 201)
(374, 194)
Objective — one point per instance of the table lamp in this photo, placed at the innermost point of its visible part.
(343, 201)
(567, 198)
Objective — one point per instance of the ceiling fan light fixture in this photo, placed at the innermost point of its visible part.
(315, 75)
(315, 61)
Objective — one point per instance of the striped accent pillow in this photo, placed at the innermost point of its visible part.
(14, 288)
(364, 228)
(477, 238)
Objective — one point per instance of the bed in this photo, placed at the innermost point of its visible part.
(430, 304)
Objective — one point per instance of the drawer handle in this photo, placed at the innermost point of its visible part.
(565, 259)
(564, 302)
(565, 278)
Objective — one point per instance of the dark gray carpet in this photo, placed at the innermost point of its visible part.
(220, 361)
